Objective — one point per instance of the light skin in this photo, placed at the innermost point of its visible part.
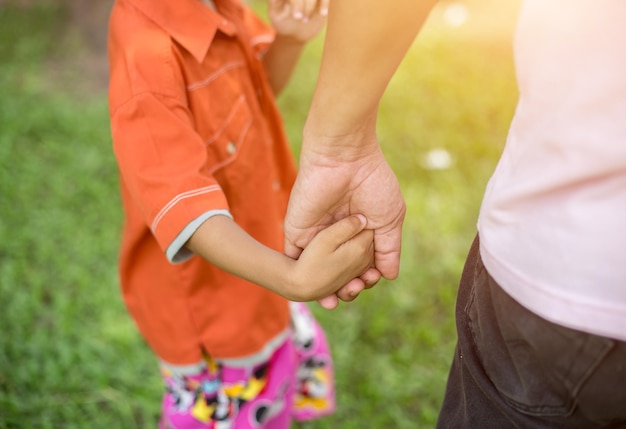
(306, 9)
(296, 22)
(342, 168)
(293, 31)
(334, 257)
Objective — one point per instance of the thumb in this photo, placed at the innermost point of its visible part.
(329, 302)
(343, 230)
(292, 250)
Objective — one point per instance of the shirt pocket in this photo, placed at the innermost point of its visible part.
(225, 147)
(239, 159)
(219, 106)
(226, 116)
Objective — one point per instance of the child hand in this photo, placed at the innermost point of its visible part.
(335, 256)
(299, 19)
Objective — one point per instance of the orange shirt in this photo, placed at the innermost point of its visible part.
(196, 132)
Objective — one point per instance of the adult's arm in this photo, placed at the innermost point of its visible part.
(365, 42)
(342, 168)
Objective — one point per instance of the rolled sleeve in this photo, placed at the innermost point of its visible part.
(162, 163)
(176, 251)
(261, 34)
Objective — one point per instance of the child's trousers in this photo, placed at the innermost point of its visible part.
(296, 383)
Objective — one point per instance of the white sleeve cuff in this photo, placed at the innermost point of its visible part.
(176, 252)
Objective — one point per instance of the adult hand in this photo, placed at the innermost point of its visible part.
(337, 178)
(342, 169)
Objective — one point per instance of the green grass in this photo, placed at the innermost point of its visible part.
(70, 356)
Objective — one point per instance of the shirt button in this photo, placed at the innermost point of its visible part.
(276, 185)
(231, 148)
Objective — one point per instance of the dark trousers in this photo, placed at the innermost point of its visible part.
(513, 369)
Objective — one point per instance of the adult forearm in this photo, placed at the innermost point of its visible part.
(365, 42)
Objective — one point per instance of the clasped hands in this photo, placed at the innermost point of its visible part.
(342, 169)
(332, 185)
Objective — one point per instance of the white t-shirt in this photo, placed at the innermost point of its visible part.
(553, 220)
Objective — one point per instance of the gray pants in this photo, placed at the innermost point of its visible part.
(513, 369)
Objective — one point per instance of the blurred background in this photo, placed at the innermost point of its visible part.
(70, 356)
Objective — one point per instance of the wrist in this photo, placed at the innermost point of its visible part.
(343, 140)
(336, 111)
(289, 40)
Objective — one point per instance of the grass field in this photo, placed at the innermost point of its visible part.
(69, 354)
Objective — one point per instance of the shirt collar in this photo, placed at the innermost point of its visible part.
(189, 22)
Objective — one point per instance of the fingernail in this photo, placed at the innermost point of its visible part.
(324, 12)
(362, 218)
(297, 15)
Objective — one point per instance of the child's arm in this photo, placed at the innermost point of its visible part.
(335, 256)
(294, 25)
